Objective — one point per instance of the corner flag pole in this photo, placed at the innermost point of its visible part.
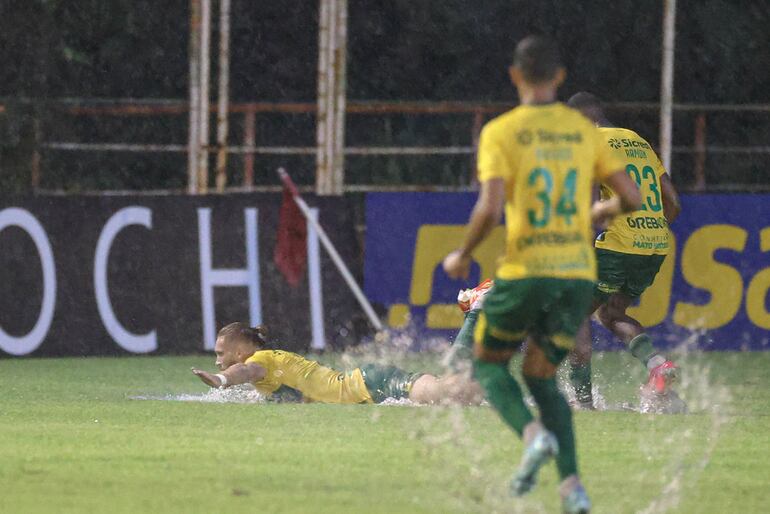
(343, 269)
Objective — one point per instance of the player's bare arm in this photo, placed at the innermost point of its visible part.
(234, 375)
(486, 215)
(627, 198)
(671, 205)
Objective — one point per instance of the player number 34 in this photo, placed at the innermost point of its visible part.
(542, 179)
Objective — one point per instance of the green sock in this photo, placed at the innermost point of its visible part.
(641, 348)
(461, 353)
(504, 393)
(580, 378)
(556, 417)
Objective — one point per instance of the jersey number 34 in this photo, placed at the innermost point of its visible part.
(542, 179)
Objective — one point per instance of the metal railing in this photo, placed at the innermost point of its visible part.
(478, 112)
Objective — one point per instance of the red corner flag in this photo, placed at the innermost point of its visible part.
(290, 254)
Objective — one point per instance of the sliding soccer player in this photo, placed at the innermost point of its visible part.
(629, 254)
(242, 358)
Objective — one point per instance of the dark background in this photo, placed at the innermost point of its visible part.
(154, 278)
(398, 50)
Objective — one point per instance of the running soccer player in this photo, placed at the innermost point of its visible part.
(629, 254)
(242, 358)
(539, 161)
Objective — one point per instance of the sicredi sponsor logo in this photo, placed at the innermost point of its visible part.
(627, 143)
(547, 136)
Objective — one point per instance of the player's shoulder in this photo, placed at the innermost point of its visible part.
(262, 356)
(533, 116)
(501, 123)
(286, 357)
(621, 133)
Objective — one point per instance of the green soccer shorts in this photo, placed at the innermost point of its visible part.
(549, 309)
(624, 273)
(388, 381)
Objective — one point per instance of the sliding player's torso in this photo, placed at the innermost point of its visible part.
(315, 382)
(548, 156)
(642, 232)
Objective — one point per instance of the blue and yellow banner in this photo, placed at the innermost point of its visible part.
(711, 292)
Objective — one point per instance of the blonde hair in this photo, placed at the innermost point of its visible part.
(240, 331)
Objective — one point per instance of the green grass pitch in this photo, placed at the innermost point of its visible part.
(72, 440)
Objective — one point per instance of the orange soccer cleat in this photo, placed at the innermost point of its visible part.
(472, 299)
(662, 376)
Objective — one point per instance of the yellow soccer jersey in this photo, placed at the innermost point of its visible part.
(548, 155)
(315, 382)
(642, 232)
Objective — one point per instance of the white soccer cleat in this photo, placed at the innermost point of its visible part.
(473, 299)
(540, 450)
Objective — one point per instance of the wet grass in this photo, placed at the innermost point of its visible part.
(73, 440)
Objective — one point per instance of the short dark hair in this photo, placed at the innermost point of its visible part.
(538, 59)
(584, 99)
(590, 105)
(243, 332)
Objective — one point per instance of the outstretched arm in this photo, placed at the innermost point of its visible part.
(486, 215)
(234, 375)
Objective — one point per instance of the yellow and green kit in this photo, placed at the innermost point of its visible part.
(548, 156)
(371, 383)
(632, 248)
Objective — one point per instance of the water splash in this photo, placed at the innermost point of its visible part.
(244, 393)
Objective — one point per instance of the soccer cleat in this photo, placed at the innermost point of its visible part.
(662, 376)
(472, 299)
(576, 502)
(542, 448)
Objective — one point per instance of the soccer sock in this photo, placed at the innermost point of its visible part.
(641, 348)
(464, 337)
(556, 417)
(504, 393)
(580, 378)
(459, 356)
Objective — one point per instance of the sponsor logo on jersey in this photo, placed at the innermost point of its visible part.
(547, 136)
(627, 143)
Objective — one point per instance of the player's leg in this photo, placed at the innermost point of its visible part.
(499, 333)
(563, 317)
(508, 312)
(384, 381)
(611, 277)
(612, 315)
(490, 369)
(639, 271)
(455, 389)
(459, 356)
(539, 371)
(580, 367)
(470, 301)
